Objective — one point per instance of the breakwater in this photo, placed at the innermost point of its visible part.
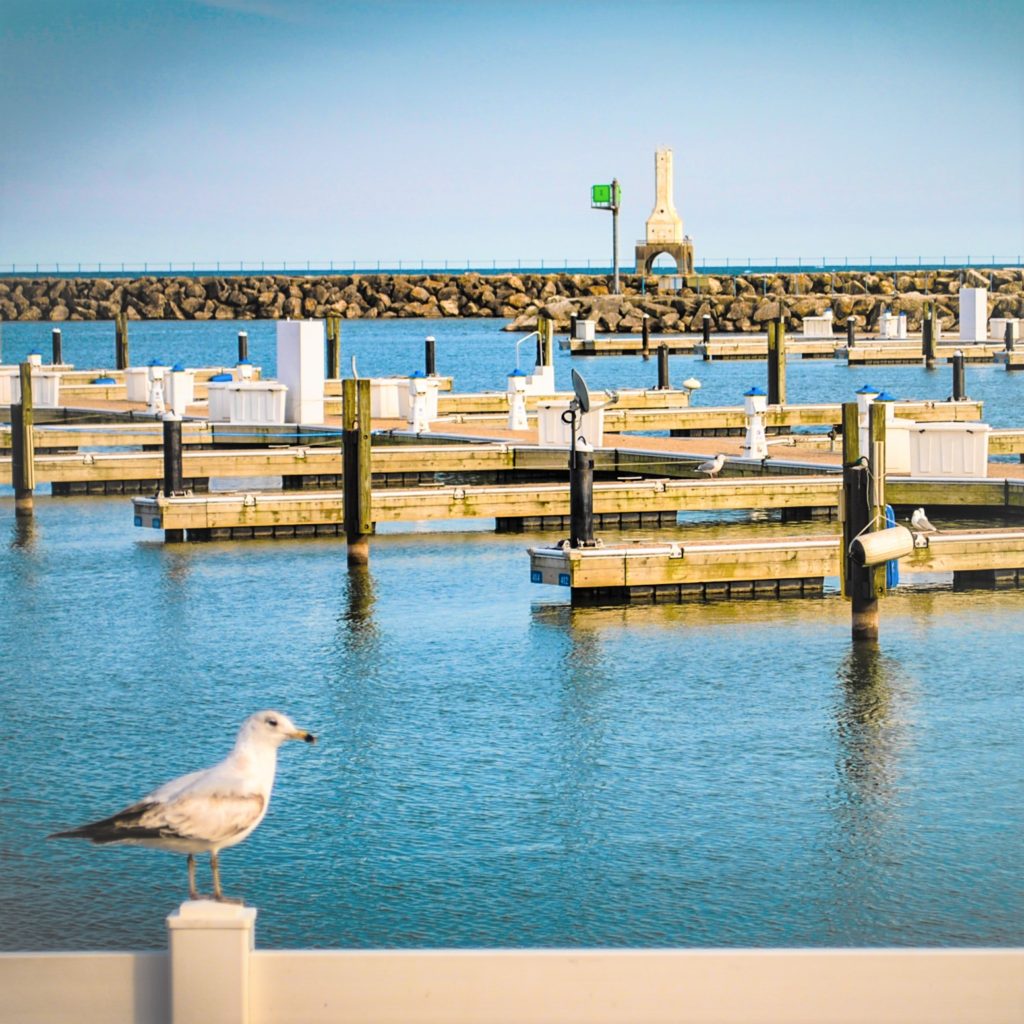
(739, 303)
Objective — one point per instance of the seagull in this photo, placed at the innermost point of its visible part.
(205, 811)
(919, 522)
(713, 466)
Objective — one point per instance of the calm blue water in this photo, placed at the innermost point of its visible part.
(479, 355)
(497, 768)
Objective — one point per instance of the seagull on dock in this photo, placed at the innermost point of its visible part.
(713, 466)
(919, 522)
(205, 811)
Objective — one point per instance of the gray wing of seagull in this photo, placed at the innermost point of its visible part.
(919, 521)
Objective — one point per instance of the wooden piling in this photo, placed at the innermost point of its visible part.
(663, 376)
(858, 580)
(851, 331)
(173, 470)
(356, 477)
(56, 340)
(959, 377)
(546, 336)
(581, 498)
(928, 337)
(23, 470)
(1008, 337)
(243, 346)
(333, 346)
(645, 330)
(776, 364)
(706, 328)
(430, 356)
(121, 340)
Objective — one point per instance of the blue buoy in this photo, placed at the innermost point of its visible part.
(221, 378)
(103, 380)
(754, 391)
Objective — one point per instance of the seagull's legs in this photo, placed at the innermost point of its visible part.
(193, 892)
(218, 895)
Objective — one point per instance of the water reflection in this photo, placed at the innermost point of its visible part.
(357, 624)
(23, 533)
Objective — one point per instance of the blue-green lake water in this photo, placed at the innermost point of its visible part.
(497, 768)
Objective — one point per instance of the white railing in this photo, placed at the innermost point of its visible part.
(213, 975)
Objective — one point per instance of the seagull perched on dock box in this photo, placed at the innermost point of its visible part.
(713, 466)
(919, 522)
(205, 811)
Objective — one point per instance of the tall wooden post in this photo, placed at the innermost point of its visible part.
(851, 331)
(243, 346)
(959, 377)
(333, 346)
(663, 377)
(356, 468)
(430, 356)
(581, 498)
(776, 364)
(23, 468)
(645, 334)
(858, 511)
(121, 340)
(1008, 337)
(706, 328)
(928, 338)
(546, 330)
(173, 482)
(56, 340)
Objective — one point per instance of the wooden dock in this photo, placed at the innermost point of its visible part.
(902, 352)
(737, 570)
(726, 349)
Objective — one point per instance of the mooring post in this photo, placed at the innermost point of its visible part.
(243, 346)
(663, 377)
(706, 328)
(928, 338)
(858, 582)
(333, 346)
(1008, 337)
(356, 479)
(546, 329)
(23, 468)
(573, 320)
(776, 364)
(56, 340)
(173, 477)
(121, 340)
(851, 331)
(430, 356)
(581, 497)
(959, 377)
(645, 333)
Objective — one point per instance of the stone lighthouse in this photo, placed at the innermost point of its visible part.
(664, 232)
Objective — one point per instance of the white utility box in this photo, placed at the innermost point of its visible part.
(888, 325)
(818, 326)
(300, 368)
(258, 401)
(554, 433)
(45, 387)
(949, 450)
(137, 381)
(897, 444)
(584, 330)
(179, 389)
(386, 394)
(973, 314)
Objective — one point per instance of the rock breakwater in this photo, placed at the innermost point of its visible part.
(739, 303)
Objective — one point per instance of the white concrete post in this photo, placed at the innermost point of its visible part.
(517, 401)
(901, 326)
(180, 389)
(210, 945)
(865, 398)
(973, 314)
(755, 405)
(300, 368)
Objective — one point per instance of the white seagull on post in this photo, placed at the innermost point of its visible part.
(919, 522)
(205, 811)
(713, 466)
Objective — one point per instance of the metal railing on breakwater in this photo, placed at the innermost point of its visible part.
(707, 265)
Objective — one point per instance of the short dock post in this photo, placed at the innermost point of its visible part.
(776, 364)
(851, 331)
(173, 482)
(706, 328)
(121, 340)
(1008, 337)
(928, 338)
(333, 346)
(23, 469)
(56, 340)
(546, 330)
(356, 478)
(581, 497)
(210, 952)
(959, 377)
(645, 333)
(663, 381)
(430, 356)
(573, 320)
(243, 346)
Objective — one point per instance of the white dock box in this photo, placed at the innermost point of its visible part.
(949, 450)
(300, 368)
(584, 330)
(258, 401)
(45, 387)
(386, 397)
(179, 389)
(973, 314)
(137, 382)
(818, 326)
(554, 433)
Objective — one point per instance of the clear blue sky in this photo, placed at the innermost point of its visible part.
(287, 129)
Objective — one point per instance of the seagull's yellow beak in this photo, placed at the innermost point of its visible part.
(301, 734)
